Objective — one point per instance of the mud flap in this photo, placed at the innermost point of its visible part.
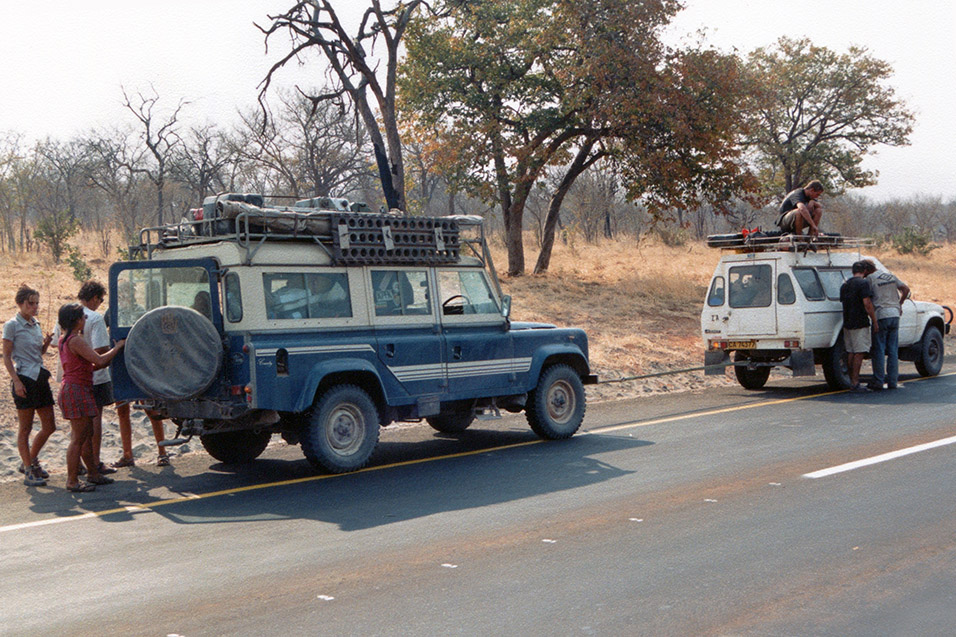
(715, 357)
(801, 363)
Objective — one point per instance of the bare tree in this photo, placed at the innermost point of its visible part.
(117, 169)
(354, 70)
(160, 137)
(199, 160)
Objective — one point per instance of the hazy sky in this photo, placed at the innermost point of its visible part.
(63, 62)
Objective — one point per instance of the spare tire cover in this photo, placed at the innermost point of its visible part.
(173, 352)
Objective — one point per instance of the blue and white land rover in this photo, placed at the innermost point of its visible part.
(323, 324)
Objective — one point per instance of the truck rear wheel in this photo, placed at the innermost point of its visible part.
(754, 378)
(556, 406)
(930, 360)
(835, 370)
(343, 430)
(236, 447)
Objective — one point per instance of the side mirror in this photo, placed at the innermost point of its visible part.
(506, 305)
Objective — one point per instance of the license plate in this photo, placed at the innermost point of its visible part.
(741, 344)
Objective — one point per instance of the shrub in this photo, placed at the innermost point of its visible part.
(911, 241)
(81, 270)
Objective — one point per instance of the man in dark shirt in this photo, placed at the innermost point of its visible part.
(856, 295)
(800, 209)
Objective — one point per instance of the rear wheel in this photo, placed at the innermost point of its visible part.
(343, 430)
(451, 423)
(556, 406)
(236, 447)
(754, 378)
(835, 369)
(930, 360)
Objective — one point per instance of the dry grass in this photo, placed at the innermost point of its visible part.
(639, 303)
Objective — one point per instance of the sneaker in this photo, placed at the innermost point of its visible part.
(874, 386)
(32, 480)
(895, 387)
(859, 389)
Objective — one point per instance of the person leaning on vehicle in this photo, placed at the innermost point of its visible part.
(888, 295)
(800, 209)
(858, 311)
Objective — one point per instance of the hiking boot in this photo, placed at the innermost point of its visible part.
(33, 480)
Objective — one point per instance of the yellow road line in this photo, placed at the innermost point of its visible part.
(134, 508)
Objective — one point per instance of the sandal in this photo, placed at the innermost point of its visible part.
(104, 469)
(101, 479)
(124, 462)
(80, 487)
(162, 461)
(40, 471)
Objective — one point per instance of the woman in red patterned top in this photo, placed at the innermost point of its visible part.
(76, 394)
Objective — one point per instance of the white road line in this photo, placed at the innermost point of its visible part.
(892, 455)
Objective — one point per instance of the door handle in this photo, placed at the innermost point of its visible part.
(390, 350)
(456, 352)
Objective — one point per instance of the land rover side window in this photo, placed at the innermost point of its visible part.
(786, 295)
(750, 286)
(141, 290)
(809, 283)
(233, 298)
(400, 293)
(715, 297)
(302, 296)
(465, 292)
(832, 282)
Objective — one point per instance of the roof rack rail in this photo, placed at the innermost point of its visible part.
(347, 232)
(760, 242)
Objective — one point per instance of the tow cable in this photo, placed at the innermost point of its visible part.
(667, 373)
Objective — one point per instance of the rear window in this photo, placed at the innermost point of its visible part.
(751, 286)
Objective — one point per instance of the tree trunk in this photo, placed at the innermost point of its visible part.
(581, 163)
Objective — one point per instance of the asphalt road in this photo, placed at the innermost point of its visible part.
(689, 514)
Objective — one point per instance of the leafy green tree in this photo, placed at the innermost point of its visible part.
(519, 85)
(815, 114)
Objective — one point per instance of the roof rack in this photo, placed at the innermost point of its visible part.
(346, 231)
(761, 242)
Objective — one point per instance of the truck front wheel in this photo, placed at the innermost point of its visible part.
(556, 406)
(343, 430)
(834, 366)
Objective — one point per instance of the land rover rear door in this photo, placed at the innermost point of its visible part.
(140, 286)
(751, 300)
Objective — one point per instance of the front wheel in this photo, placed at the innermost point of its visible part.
(930, 360)
(754, 378)
(236, 447)
(835, 369)
(556, 406)
(343, 430)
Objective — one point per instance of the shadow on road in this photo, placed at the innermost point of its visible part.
(369, 498)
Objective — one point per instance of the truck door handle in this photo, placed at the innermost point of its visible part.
(390, 350)
(456, 352)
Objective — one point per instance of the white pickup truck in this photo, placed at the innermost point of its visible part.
(776, 305)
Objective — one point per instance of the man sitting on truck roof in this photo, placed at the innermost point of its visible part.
(800, 209)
